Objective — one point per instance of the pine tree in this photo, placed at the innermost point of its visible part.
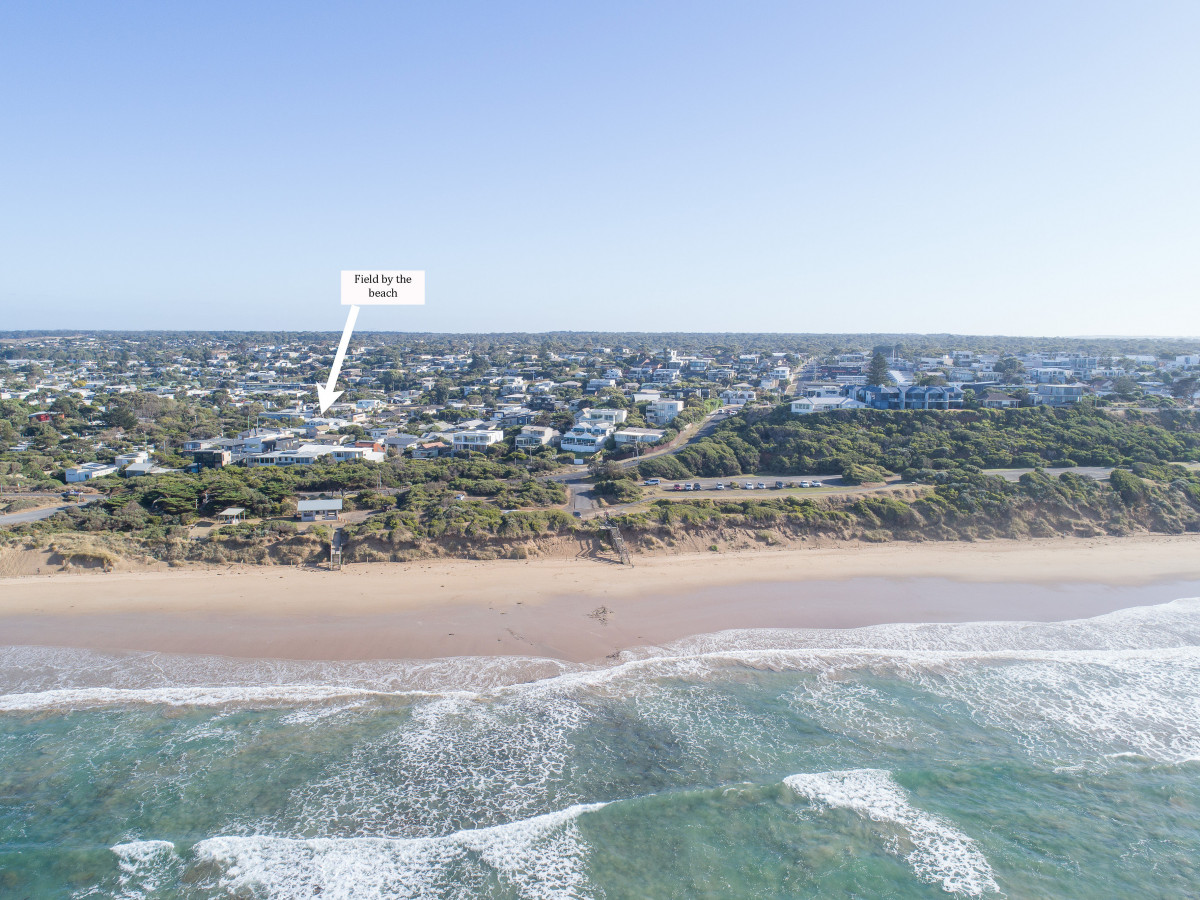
(878, 373)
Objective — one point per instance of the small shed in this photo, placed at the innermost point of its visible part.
(315, 510)
(231, 516)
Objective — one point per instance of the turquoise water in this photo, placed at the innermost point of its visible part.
(983, 759)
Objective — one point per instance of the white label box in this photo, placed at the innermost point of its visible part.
(383, 287)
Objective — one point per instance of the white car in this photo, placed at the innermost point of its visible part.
(650, 482)
(806, 484)
(817, 484)
(749, 485)
(719, 486)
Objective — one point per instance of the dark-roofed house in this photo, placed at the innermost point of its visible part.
(998, 400)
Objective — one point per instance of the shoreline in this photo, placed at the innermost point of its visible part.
(587, 610)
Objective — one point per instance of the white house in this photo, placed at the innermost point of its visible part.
(611, 416)
(88, 471)
(312, 510)
(307, 454)
(804, 405)
(661, 412)
(629, 436)
(476, 439)
(587, 436)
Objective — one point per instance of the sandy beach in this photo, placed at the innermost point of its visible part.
(587, 609)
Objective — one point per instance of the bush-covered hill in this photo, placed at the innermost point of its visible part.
(779, 442)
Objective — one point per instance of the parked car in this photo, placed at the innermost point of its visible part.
(762, 485)
(749, 485)
(817, 484)
(697, 487)
(779, 484)
(806, 484)
(719, 486)
(687, 487)
(650, 482)
(678, 487)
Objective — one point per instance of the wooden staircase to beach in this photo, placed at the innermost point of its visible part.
(618, 542)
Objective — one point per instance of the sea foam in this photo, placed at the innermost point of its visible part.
(540, 858)
(940, 854)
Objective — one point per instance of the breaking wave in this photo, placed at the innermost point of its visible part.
(940, 853)
(540, 857)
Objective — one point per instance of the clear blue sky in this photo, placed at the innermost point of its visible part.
(1011, 167)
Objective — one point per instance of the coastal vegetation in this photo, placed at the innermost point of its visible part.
(867, 445)
(481, 506)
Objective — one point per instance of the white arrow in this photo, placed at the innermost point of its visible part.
(326, 395)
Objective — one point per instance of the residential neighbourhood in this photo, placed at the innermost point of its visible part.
(251, 403)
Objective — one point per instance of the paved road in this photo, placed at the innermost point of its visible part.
(580, 498)
(739, 482)
(36, 515)
(1097, 472)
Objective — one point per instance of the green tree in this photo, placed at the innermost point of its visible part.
(878, 373)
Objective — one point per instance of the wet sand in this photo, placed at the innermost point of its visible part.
(584, 610)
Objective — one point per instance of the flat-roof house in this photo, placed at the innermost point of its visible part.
(476, 439)
(604, 414)
(803, 406)
(211, 458)
(146, 467)
(315, 510)
(661, 412)
(630, 436)
(232, 516)
(89, 470)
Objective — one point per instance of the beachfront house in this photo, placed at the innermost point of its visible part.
(88, 471)
(317, 510)
(803, 406)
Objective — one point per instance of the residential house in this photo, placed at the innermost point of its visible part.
(998, 400)
(476, 439)
(533, 436)
(661, 412)
(315, 510)
(630, 436)
(738, 396)
(587, 436)
(1058, 394)
(803, 406)
(431, 449)
(87, 471)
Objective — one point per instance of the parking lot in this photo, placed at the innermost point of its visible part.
(744, 484)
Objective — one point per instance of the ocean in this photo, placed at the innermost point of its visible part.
(1022, 760)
